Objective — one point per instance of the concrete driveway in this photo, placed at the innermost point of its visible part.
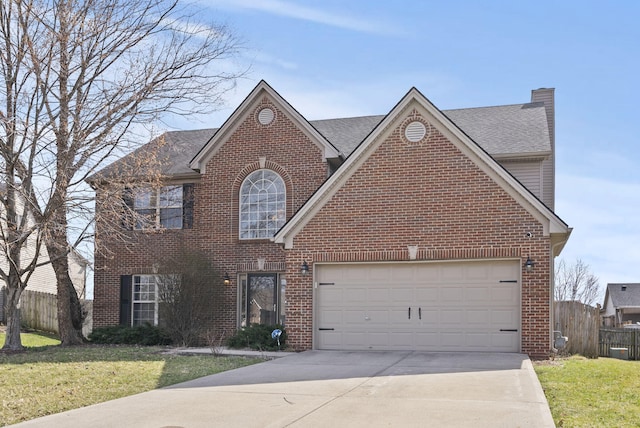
(338, 389)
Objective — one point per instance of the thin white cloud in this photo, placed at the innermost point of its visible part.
(304, 13)
(271, 60)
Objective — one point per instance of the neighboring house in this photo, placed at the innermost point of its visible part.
(420, 229)
(43, 279)
(621, 305)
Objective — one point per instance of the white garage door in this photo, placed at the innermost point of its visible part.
(448, 306)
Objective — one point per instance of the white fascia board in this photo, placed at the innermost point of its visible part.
(286, 234)
(201, 159)
(551, 223)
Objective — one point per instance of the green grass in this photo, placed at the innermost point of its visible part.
(601, 392)
(32, 340)
(52, 379)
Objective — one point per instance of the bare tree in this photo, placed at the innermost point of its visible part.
(91, 71)
(188, 285)
(575, 283)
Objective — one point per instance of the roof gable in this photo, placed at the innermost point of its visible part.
(511, 131)
(414, 100)
(261, 91)
(623, 295)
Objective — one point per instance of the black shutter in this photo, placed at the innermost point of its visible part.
(126, 295)
(187, 206)
(127, 199)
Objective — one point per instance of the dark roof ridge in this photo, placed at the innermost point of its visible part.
(532, 104)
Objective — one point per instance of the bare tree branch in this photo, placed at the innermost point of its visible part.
(576, 283)
(80, 77)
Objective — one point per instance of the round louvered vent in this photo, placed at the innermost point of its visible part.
(265, 116)
(415, 131)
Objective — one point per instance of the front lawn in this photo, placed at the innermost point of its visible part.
(52, 379)
(583, 392)
(35, 339)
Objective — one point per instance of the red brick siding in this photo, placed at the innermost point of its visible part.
(428, 194)
(431, 195)
(287, 150)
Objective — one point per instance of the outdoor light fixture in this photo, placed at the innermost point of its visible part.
(304, 269)
(528, 265)
(226, 279)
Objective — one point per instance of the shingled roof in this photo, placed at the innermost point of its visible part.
(624, 295)
(502, 131)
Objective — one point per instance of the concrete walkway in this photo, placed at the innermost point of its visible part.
(338, 389)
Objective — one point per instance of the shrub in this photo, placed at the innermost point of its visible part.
(147, 335)
(258, 337)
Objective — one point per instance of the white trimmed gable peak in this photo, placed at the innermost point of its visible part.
(415, 102)
(257, 96)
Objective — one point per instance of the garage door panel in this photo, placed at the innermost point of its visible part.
(352, 317)
(400, 316)
(476, 316)
(376, 317)
(455, 306)
(478, 295)
(331, 318)
(505, 271)
(505, 294)
(401, 295)
(478, 340)
(331, 340)
(330, 296)
(378, 340)
(452, 339)
(353, 295)
(451, 294)
(380, 273)
(452, 317)
(426, 294)
(479, 273)
(507, 317)
(448, 273)
(379, 296)
(427, 340)
(430, 317)
(503, 340)
(403, 274)
(357, 340)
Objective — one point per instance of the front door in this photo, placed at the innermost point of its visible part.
(262, 299)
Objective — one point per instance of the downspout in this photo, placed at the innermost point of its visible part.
(552, 276)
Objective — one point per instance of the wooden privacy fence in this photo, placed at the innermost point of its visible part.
(620, 338)
(40, 311)
(580, 323)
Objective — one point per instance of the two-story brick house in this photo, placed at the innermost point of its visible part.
(421, 229)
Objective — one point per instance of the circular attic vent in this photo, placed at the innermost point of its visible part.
(415, 131)
(266, 116)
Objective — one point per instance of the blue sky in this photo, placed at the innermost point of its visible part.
(349, 58)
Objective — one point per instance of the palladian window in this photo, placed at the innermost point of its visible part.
(262, 205)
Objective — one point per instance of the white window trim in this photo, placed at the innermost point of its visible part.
(135, 280)
(280, 219)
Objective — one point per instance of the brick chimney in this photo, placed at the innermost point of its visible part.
(546, 96)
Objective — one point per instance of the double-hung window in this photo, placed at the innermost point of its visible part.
(159, 207)
(145, 300)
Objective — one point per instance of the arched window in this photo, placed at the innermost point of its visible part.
(262, 205)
